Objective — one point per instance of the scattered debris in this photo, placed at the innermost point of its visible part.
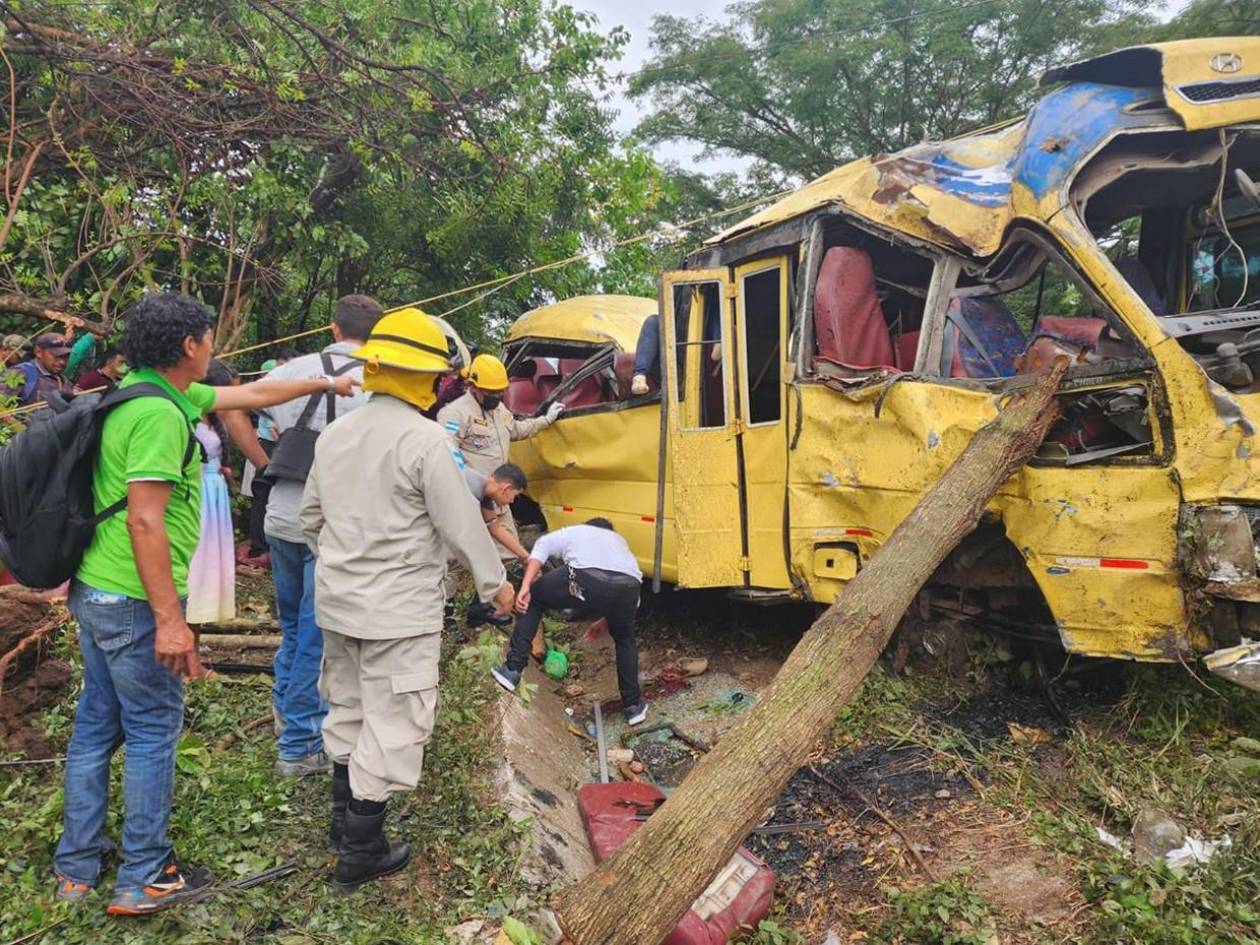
(1108, 838)
(1154, 835)
(1196, 850)
(1028, 734)
(618, 756)
(627, 774)
(1157, 838)
(1239, 664)
(694, 666)
(230, 739)
(883, 815)
(241, 641)
(600, 747)
(556, 664)
(466, 932)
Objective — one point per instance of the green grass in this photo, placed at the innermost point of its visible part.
(938, 914)
(1169, 742)
(1166, 744)
(233, 816)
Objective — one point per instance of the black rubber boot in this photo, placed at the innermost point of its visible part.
(340, 798)
(365, 854)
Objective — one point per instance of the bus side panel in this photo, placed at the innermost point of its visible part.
(602, 463)
(855, 476)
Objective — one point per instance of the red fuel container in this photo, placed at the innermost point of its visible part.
(738, 897)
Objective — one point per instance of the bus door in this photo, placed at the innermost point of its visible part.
(697, 360)
(761, 310)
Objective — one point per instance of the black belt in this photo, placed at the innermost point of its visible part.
(610, 577)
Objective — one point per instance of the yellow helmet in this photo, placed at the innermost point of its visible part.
(487, 372)
(408, 340)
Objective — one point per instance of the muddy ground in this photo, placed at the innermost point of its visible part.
(934, 780)
(971, 775)
(34, 673)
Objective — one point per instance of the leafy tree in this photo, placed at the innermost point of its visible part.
(1215, 18)
(268, 156)
(801, 86)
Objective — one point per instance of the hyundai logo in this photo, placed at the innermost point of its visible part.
(1227, 63)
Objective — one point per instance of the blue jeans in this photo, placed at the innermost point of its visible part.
(647, 351)
(296, 691)
(128, 698)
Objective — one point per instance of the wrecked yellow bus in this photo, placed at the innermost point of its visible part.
(824, 361)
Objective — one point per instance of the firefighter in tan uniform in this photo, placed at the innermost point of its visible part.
(482, 426)
(383, 502)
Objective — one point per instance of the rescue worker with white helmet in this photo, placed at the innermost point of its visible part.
(384, 501)
(482, 426)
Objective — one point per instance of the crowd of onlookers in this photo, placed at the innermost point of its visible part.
(37, 368)
(374, 465)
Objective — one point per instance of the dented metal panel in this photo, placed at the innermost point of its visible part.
(1100, 543)
(1206, 82)
(589, 318)
(602, 463)
(963, 193)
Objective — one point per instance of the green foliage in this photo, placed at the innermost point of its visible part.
(519, 933)
(938, 914)
(1215, 18)
(771, 932)
(232, 815)
(802, 86)
(1166, 747)
(883, 699)
(391, 148)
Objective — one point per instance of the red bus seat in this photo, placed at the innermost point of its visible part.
(848, 319)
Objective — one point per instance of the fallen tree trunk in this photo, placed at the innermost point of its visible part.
(21, 304)
(638, 895)
(242, 641)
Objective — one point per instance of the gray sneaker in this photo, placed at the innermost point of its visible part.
(314, 763)
(635, 714)
(509, 679)
(70, 891)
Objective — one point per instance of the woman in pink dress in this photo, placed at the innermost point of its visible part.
(212, 572)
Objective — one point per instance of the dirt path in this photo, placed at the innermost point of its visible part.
(36, 677)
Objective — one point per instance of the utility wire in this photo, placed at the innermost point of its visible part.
(490, 286)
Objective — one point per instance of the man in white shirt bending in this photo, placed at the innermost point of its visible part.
(598, 577)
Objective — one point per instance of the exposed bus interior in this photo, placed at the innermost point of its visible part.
(1011, 318)
(1029, 307)
(1178, 214)
(583, 377)
(868, 304)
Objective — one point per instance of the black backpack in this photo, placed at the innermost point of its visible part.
(46, 509)
(295, 450)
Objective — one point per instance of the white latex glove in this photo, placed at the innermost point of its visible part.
(554, 411)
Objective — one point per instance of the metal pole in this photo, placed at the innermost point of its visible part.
(600, 746)
(664, 442)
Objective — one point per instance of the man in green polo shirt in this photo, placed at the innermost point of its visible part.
(128, 600)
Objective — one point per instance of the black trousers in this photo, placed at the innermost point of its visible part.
(261, 491)
(608, 594)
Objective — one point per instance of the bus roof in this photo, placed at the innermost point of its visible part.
(962, 193)
(595, 319)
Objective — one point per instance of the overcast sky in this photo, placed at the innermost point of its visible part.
(636, 17)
